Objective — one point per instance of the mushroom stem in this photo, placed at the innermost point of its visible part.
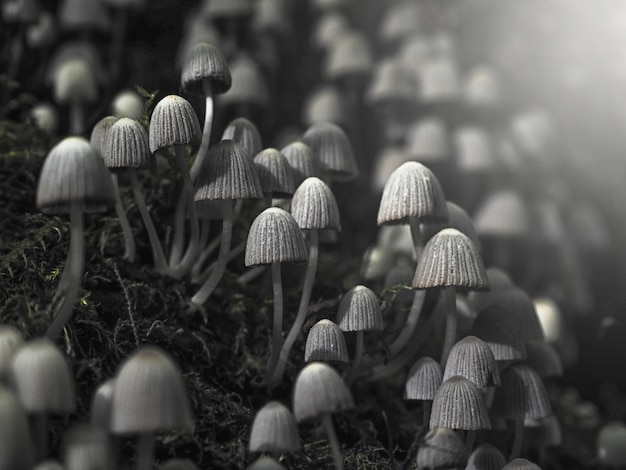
(129, 239)
(211, 283)
(358, 355)
(206, 131)
(303, 308)
(277, 325)
(233, 254)
(449, 294)
(417, 237)
(145, 451)
(77, 118)
(160, 263)
(331, 435)
(518, 440)
(76, 260)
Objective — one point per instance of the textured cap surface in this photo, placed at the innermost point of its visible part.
(314, 206)
(333, 149)
(458, 219)
(459, 404)
(423, 379)
(302, 161)
(486, 457)
(274, 236)
(325, 343)
(127, 145)
(359, 310)
(473, 359)
(522, 395)
(246, 133)
(274, 429)
(173, 122)
(205, 61)
(274, 173)
(498, 329)
(100, 133)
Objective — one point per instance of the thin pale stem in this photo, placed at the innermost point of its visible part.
(518, 440)
(277, 322)
(303, 308)
(129, 239)
(76, 259)
(222, 259)
(251, 274)
(206, 131)
(449, 294)
(331, 435)
(417, 237)
(145, 451)
(160, 263)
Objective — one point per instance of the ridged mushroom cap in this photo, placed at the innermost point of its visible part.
(228, 172)
(348, 56)
(149, 395)
(73, 172)
(543, 359)
(10, 340)
(412, 190)
(101, 405)
(320, 390)
(302, 161)
(244, 132)
(442, 448)
(314, 206)
(521, 464)
(458, 219)
(325, 343)
(100, 133)
(274, 173)
(427, 140)
(473, 359)
(459, 404)
(486, 457)
(333, 149)
(274, 430)
(86, 446)
(498, 328)
(359, 310)
(504, 214)
(423, 379)
(450, 259)
(42, 378)
(249, 84)
(75, 81)
(522, 395)
(205, 62)
(324, 104)
(173, 122)
(474, 152)
(274, 237)
(82, 50)
(266, 463)
(127, 145)
(17, 450)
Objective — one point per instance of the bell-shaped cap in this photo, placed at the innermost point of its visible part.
(459, 404)
(274, 237)
(205, 62)
(302, 161)
(10, 340)
(274, 173)
(450, 259)
(412, 190)
(499, 329)
(86, 446)
(173, 122)
(427, 141)
(149, 395)
(486, 457)
(521, 464)
(100, 133)
(83, 15)
(349, 56)
(42, 378)
(423, 380)
(325, 343)
(442, 448)
(324, 104)
(127, 103)
(392, 87)
(274, 430)
(17, 450)
(101, 405)
(320, 390)
(474, 152)
(74, 173)
(400, 20)
(543, 358)
(249, 84)
(518, 303)
(359, 310)
(473, 359)
(127, 145)
(228, 172)
(244, 132)
(333, 149)
(328, 28)
(522, 395)
(75, 82)
(482, 88)
(504, 214)
(439, 81)
(498, 280)
(458, 219)
(314, 206)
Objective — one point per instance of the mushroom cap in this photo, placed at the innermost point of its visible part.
(348, 56)
(100, 133)
(173, 122)
(127, 103)
(127, 145)
(330, 25)
(442, 448)
(10, 340)
(611, 444)
(498, 279)
(392, 87)
(83, 15)
(400, 20)
(521, 464)
(324, 104)
(42, 378)
(498, 328)
(86, 446)
(274, 173)
(458, 219)
(412, 190)
(325, 343)
(149, 395)
(101, 405)
(450, 259)
(73, 172)
(274, 237)
(244, 132)
(74, 81)
(522, 395)
(427, 140)
(302, 161)
(482, 88)
(45, 117)
(205, 62)
(320, 390)
(274, 430)
(543, 358)
(249, 85)
(439, 81)
(518, 303)
(473, 359)
(359, 310)
(17, 449)
(474, 152)
(486, 457)
(333, 149)
(504, 214)
(314, 206)
(459, 404)
(266, 463)
(423, 379)
(228, 172)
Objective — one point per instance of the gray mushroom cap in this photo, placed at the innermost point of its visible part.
(314, 206)
(459, 404)
(359, 310)
(274, 429)
(205, 62)
(127, 145)
(173, 122)
(325, 343)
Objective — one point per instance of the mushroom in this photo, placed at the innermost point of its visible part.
(422, 382)
(274, 430)
(16, 449)
(442, 448)
(325, 343)
(86, 446)
(485, 457)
